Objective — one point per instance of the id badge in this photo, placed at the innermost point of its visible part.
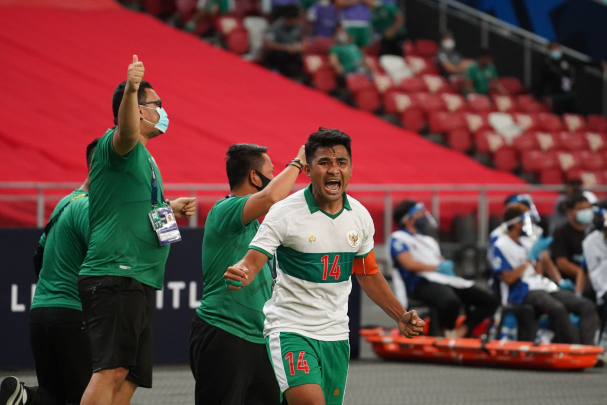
(164, 224)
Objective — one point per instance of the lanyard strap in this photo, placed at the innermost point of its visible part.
(155, 186)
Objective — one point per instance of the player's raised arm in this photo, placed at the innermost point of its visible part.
(243, 273)
(127, 134)
(375, 286)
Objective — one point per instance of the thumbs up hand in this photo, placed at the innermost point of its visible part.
(134, 75)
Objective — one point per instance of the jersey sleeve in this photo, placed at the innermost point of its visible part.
(499, 261)
(367, 242)
(106, 155)
(270, 234)
(227, 215)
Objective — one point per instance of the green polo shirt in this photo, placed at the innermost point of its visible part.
(481, 77)
(383, 17)
(349, 56)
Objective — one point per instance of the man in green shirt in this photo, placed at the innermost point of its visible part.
(227, 348)
(345, 56)
(481, 75)
(388, 21)
(60, 343)
(132, 226)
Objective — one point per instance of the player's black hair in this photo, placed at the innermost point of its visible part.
(241, 158)
(327, 137)
(401, 210)
(512, 211)
(575, 183)
(510, 200)
(90, 149)
(119, 92)
(573, 200)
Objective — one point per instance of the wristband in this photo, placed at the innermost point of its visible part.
(294, 165)
(233, 283)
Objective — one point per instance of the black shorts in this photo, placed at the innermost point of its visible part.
(62, 353)
(119, 313)
(230, 370)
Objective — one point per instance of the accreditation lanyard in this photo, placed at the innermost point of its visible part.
(155, 186)
(162, 219)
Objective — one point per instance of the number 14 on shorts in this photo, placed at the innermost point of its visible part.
(302, 365)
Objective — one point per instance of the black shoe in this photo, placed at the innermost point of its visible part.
(11, 392)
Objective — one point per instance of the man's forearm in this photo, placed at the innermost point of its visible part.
(377, 288)
(280, 187)
(568, 267)
(128, 115)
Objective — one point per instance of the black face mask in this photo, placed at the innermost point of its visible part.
(264, 181)
(421, 223)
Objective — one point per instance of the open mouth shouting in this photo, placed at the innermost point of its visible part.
(333, 186)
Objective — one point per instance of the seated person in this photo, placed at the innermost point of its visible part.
(208, 9)
(481, 76)
(284, 8)
(284, 46)
(595, 256)
(566, 248)
(556, 81)
(323, 16)
(355, 17)
(450, 61)
(346, 57)
(389, 23)
(521, 282)
(430, 278)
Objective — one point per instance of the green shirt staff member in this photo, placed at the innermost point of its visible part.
(388, 21)
(126, 257)
(227, 348)
(481, 75)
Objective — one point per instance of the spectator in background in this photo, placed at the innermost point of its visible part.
(355, 17)
(345, 56)
(559, 217)
(556, 82)
(389, 23)
(208, 9)
(284, 45)
(567, 250)
(323, 16)
(450, 61)
(285, 8)
(481, 76)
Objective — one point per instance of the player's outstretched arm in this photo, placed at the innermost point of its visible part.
(243, 273)
(279, 188)
(127, 135)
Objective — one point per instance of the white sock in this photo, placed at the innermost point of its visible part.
(24, 395)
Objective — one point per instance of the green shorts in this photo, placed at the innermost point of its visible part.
(298, 360)
(361, 36)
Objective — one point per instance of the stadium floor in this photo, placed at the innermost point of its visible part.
(372, 381)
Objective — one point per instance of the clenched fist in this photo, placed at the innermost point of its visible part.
(410, 324)
(134, 75)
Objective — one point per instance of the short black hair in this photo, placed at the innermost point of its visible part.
(509, 199)
(514, 210)
(327, 137)
(241, 158)
(119, 92)
(399, 212)
(90, 149)
(484, 52)
(573, 200)
(575, 182)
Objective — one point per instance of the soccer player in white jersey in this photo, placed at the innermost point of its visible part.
(320, 236)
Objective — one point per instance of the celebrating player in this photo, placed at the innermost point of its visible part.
(320, 236)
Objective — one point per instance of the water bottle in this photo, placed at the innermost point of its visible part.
(509, 328)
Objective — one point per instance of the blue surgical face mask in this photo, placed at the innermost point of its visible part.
(556, 54)
(585, 216)
(163, 121)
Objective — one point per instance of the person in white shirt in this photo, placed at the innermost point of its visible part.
(429, 278)
(522, 282)
(595, 256)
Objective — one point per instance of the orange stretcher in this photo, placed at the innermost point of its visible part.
(389, 344)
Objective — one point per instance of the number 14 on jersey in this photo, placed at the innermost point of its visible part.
(334, 272)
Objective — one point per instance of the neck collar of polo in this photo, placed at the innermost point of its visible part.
(313, 205)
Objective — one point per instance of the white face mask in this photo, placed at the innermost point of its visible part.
(448, 44)
(342, 38)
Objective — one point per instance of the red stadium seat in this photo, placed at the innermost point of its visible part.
(589, 178)
(459, 139)
(436, 84)
(455, 102)
(534, 161)
(383, 83)
(596, 123)
(572, 142)
(409, 48)
(488, 141)
(373, 49)
(505, 103)
(431, 102)
(529, 104)
(548, 141)
(569, 161)
(357, 82)
(552, 176)
(574, 122)
(592, 161)
(324, 79)
(225, 24)
(526, 121)
(505, 158)
(596, 142)
(477, 121)
(443, 121)
(237, 41)
(458, 83)
(550, 122)
(396, 102)
(420, 66)
(513, 85)
(413, 85)
(317, 45)
(525, 141)
(367, 99)
(480, 103)
(314, 62)
(413, 119)
(426, 48)
(373, 64)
